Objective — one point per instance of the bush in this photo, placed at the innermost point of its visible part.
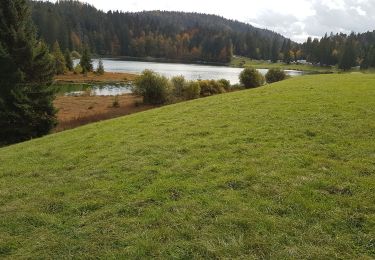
(154, 88)
(178, 84)
(275, 75)
(251, 78)
(237, 87)
(192, 90)
(78, 69)
(116, 103)
(225, 84)
(210, 87)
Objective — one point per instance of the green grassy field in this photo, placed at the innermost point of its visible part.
(282, 171)
(258, 64)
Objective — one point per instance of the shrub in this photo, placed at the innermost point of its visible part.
(225, 84)
(251, 78)
(210, 87)
(275, 75)
(192, 90)
(78, 69)
(116, 103)
(237, 87)
(154, 88)
(178, 84)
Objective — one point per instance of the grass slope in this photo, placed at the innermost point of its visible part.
(283, 171)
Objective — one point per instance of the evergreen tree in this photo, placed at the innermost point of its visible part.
(100, 68)
(60, 63)
(68, 60)
(287, 50)
(86, 62)
(26, 72)
(275, 51)
(369, 59)
(348, 58)
(307, 49)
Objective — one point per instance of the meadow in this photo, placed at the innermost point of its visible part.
(285, 171)
(241, 62)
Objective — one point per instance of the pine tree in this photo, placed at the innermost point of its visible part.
(26, 72)
(86, 62)
(307, 49)
(100, 68)
(68, 60)
(348, 58)
(287, 50)
(60, 62)
(275, 51)
(369, 59)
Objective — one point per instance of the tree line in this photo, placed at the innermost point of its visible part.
(159, 34)
(188, 37)
(344, 50)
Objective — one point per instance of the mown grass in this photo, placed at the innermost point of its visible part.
(283, 171)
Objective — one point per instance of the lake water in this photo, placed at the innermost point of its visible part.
(94, 90)
(189, 71)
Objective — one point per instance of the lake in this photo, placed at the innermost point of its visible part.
(189, 71)
(94, 90)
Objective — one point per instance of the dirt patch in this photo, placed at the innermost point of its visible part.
(107, 77)
(81, 110)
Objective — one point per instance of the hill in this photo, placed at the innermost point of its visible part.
(159, 34)
(283, 171)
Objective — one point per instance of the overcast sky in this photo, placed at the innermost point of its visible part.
(296, 19)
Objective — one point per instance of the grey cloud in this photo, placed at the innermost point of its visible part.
(351, 15)
(287, 25)
(341, 20)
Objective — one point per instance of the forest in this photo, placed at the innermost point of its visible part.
(344, 50)
(188, 37)
(159, 34)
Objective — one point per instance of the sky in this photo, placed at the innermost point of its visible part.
(295, 19)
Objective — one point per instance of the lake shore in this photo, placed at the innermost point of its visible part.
(165, 60)
(93, 78)
(241, 62)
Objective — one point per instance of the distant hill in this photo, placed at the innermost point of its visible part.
(160, 34)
